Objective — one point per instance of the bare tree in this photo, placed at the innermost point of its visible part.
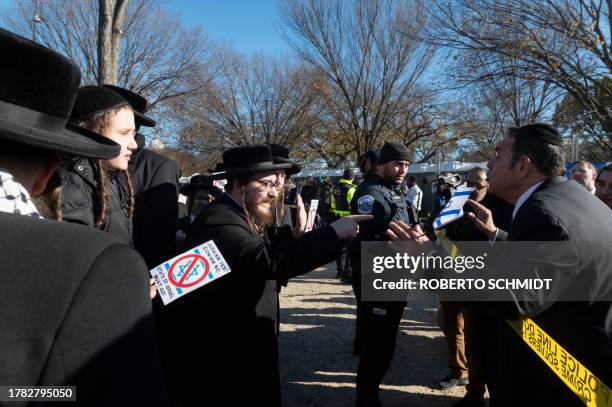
(252, 100)
(157, 56)
(565, 43)
(422, 124)
(371, 56)
(521, 100)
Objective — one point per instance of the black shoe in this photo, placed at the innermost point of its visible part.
(469, 402)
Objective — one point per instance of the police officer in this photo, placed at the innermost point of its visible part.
(379, 195)
(368, 164)
(342, 195)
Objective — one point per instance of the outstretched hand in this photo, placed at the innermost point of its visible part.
(347, 228)
(301, 217)
(482, 218)
(401, 231)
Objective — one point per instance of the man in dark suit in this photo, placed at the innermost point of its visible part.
(527, 171)
(75, 301)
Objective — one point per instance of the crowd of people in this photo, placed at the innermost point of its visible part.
(86, 211)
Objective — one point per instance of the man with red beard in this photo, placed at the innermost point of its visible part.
(228, 329)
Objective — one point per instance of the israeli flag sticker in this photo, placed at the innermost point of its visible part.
(365, 205)
(453, 209)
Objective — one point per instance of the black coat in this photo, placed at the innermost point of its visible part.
(310, 192)
(81, 202)
(558, 210)
(325, 195)
(233, 320)
(75, 310)
(155, 183)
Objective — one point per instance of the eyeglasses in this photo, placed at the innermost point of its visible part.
(474, 185)
(269, 185)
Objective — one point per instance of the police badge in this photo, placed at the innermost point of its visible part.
(365, 204)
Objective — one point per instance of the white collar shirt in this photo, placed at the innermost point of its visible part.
(524, 197)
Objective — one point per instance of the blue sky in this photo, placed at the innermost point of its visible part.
(249, 26)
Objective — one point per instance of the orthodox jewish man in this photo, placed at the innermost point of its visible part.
(74, 301)
(232, 321)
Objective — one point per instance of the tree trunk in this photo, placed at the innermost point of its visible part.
(110, 30)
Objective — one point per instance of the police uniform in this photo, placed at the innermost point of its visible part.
(377, 321)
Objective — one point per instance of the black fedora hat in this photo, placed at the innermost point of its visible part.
(249, 159)
(280, 154)
(37, 94)
(218, 172)
(218, 168)
(139, 104)
(201, 182)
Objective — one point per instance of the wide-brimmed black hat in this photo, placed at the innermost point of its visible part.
(138, 103)
(249, 159)
(201, 182)
(37, 92)
(280, 155)
(218, 172)
(218, 168)
(92, 100)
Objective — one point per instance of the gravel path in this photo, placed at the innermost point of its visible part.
(317, 366)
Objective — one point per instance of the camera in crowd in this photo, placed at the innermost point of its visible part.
(445, 185)
(451, 181)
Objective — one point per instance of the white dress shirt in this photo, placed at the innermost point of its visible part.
(524, 197)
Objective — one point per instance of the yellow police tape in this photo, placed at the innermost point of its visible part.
(591, 390)
(447, 243)
(588, 387)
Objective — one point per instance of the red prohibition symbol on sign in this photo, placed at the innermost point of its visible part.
(188, 262)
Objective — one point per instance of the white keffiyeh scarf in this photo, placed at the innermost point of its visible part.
(14, 198)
